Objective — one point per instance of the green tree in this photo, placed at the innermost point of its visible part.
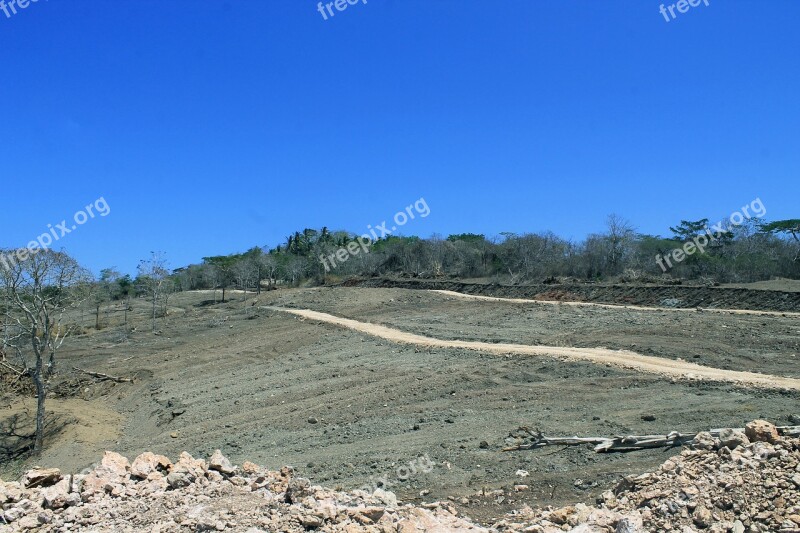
(223, 265)
(785, 227)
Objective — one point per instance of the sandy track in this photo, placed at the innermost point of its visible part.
(618, 358)
(612, 306)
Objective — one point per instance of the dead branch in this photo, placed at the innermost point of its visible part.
(103, 377)
(623, 443)
(12, 368)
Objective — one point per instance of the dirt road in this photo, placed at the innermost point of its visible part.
(614, 306)
(618, 358)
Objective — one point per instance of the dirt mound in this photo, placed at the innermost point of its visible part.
(558, 296)
(684, 297)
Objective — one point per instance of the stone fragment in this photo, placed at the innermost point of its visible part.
(703, 441)
(57, 496)
(250, 468)
(148, 463)
(733, 438)
(762, 431)
(220, 463)
(41, 477)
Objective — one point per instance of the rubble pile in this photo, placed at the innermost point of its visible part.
(739, 481)
(742, 482)
(154, 494)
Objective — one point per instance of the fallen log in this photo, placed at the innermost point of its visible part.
(623, 443)
(103, 377)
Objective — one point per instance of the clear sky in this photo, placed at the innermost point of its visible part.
(212, 126)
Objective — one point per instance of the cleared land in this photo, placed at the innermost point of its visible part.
(344, 406)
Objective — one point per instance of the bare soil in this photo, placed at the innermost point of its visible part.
(778, 295)
(346, 408)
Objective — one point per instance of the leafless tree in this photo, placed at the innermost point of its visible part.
(621, 234)
(245, 273)
(154, 280)
(37, 291)
(269, 268)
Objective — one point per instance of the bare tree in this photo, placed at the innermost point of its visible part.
(37, 291)
(269, 268)
(245, 273)
(106, 290)
(621, 235)
(153, 279)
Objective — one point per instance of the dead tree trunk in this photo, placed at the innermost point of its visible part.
(41, 393)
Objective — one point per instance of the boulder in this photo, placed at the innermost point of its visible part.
(187, 464)
(10, 493)
(762, 431)
(108, 478)
(148, 463)
(250, 468)
(733, 438)
(58, 495)
(115, 463)
(221, 464)
(177, 480)
(702, 517)
(41, 477)
(703, 441)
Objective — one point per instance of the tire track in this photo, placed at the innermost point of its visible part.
(618, 358)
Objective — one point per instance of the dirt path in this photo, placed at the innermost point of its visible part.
(612, 306)
(618, 358)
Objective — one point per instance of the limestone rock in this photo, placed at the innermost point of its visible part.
(41, 477)
(148, 463)
(733, 438)
(221, 464)
(762, 431)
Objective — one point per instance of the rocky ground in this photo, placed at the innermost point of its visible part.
(741, 481)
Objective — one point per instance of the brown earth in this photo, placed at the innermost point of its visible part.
(347, 408)
(767, 296)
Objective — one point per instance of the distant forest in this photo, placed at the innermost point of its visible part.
(752, 251)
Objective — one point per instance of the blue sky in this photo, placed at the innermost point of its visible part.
(213, 126)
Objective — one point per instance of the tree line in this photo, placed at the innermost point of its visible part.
(752, 251)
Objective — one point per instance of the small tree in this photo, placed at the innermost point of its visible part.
(37, 291)
(785, 227)
(126, 290)
(222, 266)
(107, 290)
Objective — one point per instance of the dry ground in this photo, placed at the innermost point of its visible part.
(344, 407)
